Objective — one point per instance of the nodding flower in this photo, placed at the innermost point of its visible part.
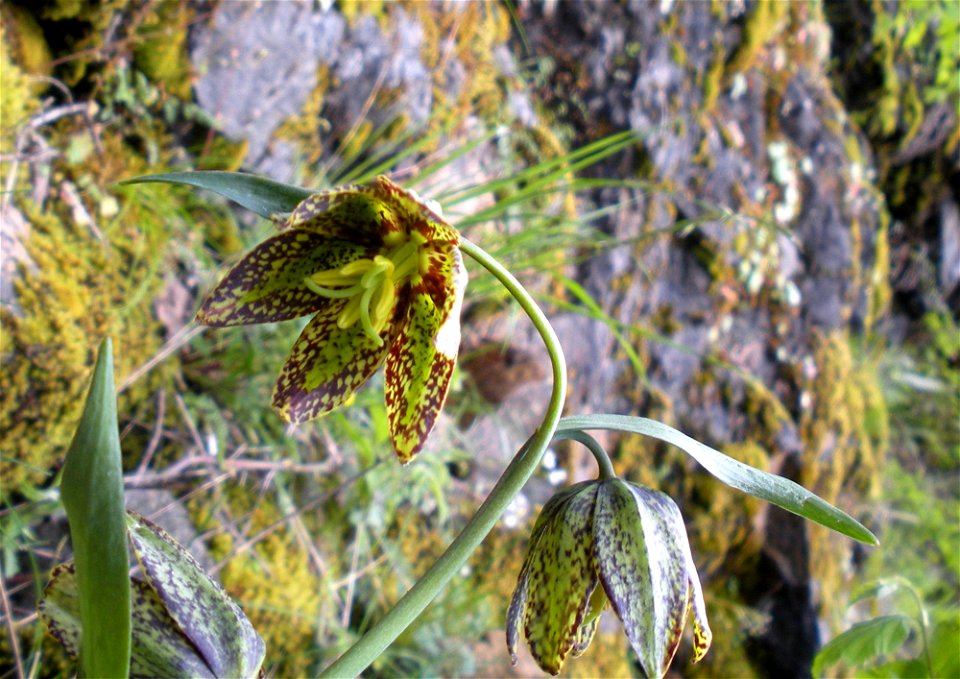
(382, 274)
(600, 542)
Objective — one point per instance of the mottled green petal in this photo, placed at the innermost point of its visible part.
(328, 364)
(518, 603)
(584, 636)
(208, 617)
(421, 360)
(644, 568)
(60, 608)
(370, 213)
(414, 212)
(267, 284)
(158, 648)
(358, 214)
(562, 578)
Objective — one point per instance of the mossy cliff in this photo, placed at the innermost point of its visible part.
(792, 160)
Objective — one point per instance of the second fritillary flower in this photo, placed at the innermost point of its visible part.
(608, 541)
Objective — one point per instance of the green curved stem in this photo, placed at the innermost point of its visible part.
(593, 445)
(359, 656)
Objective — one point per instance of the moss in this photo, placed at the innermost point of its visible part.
(274, 580)
(845, 438)
(222, 154)
(713, 80)
(353, 10)
(81, 289)
(470, 32)
(17, 101)
(764, 23)
(27, 46)
(162, 53)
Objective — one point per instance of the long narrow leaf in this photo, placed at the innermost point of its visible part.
(770, 487)
(263, 196)
(92, 494)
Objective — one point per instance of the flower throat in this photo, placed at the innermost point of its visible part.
(370, 284)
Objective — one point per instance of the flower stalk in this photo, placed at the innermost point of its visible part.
(359, 656)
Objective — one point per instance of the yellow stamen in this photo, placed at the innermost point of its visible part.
(340, 293)
(357, 267)
(370, 284)
(365, 320)
(350, 313)
(386, 298)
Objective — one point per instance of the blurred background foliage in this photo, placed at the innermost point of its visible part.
(760, 245)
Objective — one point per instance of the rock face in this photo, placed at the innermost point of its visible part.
(741, 133)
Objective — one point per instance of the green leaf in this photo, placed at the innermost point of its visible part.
(770, 487)
(263, 196)
(864, 642)
(203, 612)
(92, 495)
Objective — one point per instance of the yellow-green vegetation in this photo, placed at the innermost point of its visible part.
(917, 33)
(24, 52)
(763, 24)
(281, 588)
(162, 54)
(82, 283)
(845, 433)
(17, 100)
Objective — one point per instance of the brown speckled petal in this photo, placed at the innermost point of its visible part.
(267, 284)
(422, 358)
(328, 364)
(561, 580)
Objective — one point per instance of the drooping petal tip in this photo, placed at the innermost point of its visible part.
(421, 360)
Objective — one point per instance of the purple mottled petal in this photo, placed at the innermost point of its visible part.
(267, 284)
(702, 636)
(515, 613)
(328, 364)
(644, 569)
(203, 612)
